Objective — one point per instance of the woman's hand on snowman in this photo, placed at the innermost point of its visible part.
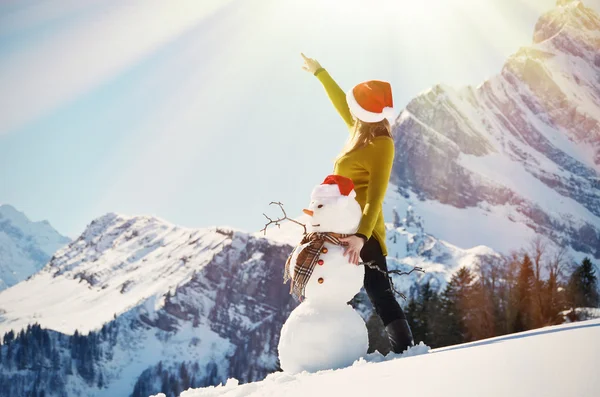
(310, 65)
(353, 247)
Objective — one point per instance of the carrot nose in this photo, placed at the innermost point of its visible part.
(308, 212)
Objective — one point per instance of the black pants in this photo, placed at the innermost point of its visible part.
(377, 284)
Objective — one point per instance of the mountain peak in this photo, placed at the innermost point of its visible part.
(567, 13)
(562, 3)
(20, 220)
(26, 246)
(527, 141)
(9, 212)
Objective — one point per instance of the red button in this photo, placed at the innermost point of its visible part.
(320, 261)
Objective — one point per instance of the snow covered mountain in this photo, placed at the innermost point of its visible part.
(211, 300)
(513, 365)
(165, 294)
(517, 156)
(25, 246)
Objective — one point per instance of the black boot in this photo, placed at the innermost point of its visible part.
(400, 335)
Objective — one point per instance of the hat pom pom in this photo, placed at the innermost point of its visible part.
(389, 113)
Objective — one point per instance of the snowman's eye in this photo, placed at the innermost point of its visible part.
(319, 206)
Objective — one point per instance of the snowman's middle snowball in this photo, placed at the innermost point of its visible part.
(341, 279)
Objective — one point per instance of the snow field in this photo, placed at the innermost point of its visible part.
(558, 361)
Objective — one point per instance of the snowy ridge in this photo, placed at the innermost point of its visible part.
(117, 263)
(25, 246)
(512, 365)
(524, 146)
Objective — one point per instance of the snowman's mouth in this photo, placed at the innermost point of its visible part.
(318, 224)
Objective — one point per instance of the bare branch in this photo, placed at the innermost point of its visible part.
(557, 262)
(277, 221)
(373, 265)
(538, 247)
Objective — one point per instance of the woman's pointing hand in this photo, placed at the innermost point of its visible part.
(310, 65)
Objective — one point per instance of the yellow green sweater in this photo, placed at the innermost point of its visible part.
(368, 167)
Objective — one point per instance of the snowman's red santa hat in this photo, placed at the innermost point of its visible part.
(334, 186)
(371, 101)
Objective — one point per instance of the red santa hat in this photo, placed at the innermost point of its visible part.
(334, 186)
(371, 101)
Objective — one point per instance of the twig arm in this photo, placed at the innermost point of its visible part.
(373, 265)
(277, 221)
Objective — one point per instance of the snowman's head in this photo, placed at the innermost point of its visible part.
(333, 207)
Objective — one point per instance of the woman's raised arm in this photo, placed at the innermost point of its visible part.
(335, 93)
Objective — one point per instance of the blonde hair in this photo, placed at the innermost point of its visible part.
(363, 133)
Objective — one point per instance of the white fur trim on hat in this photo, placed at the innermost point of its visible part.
(365, 115)
(327, 191)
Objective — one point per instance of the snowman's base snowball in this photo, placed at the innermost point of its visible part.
(317, 337)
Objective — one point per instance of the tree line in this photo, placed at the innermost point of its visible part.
(37, 362)
(518, 292)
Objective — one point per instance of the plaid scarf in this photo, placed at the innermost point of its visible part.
(307, 258)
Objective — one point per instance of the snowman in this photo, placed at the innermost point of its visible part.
(324, 332)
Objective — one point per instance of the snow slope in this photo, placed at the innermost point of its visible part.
(25, 246)
(554, 361)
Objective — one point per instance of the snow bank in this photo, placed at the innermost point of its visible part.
(554, 361)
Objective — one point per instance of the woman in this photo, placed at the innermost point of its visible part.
(367, 159)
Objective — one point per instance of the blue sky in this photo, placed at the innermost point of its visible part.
(200, 113)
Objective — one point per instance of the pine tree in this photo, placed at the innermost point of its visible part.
(165, 386)
(68, 365)
(583, 286)
(55, 360)
(9, 356)
(423, 314)
(9, 337)
(211, 371)
(523, 302)
(44, 338)
(455, 303)
(479, 318)
(430, 306)
(413, 316)
(396, 218)
(175, 386)
(184, 376)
